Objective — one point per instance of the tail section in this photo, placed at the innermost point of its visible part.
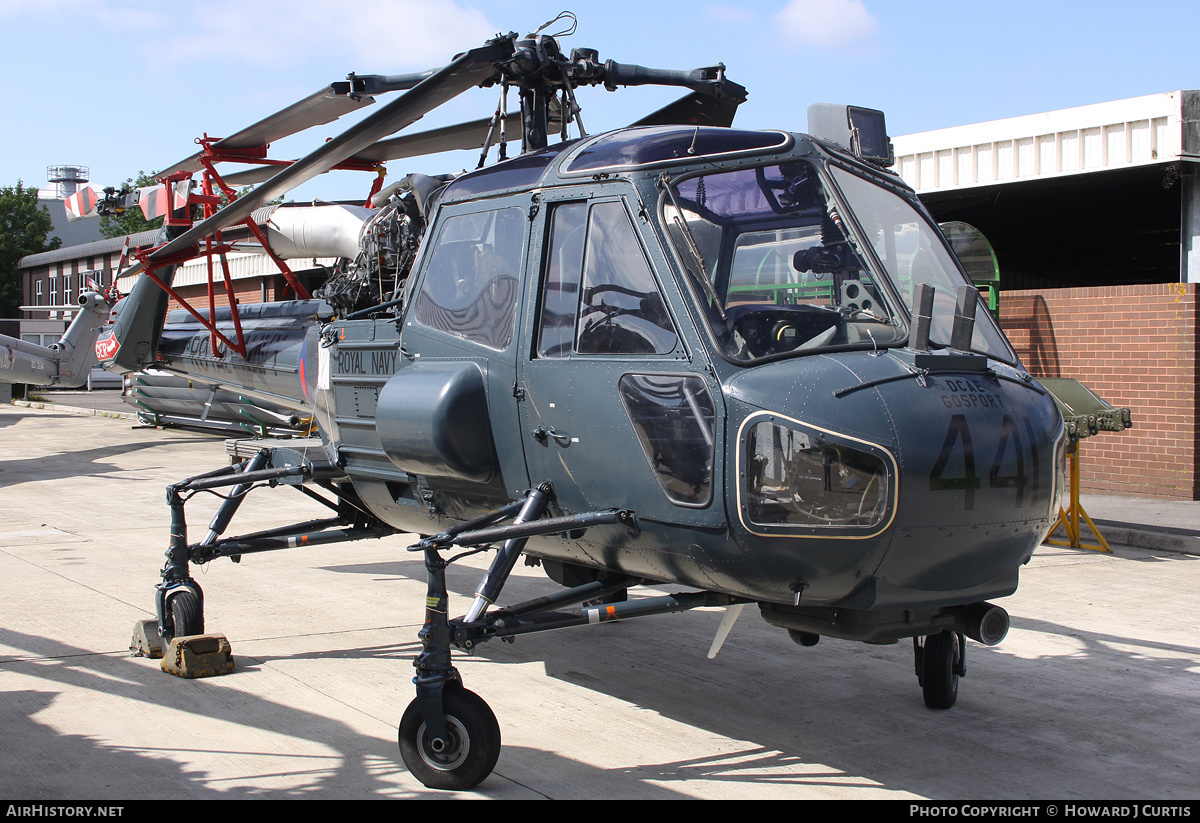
(65, 363)
(133, 341)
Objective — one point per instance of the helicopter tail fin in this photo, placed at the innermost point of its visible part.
(133, 340)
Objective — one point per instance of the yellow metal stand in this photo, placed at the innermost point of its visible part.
(1069, 519)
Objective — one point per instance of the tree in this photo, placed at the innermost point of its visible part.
(24, 229)
(130, 221)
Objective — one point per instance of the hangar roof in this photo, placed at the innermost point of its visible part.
(1140, 131)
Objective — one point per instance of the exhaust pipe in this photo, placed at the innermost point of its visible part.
(983, 623)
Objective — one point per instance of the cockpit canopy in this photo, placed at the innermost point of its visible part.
(785, 260)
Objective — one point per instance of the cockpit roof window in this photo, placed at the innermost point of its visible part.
(662, 145)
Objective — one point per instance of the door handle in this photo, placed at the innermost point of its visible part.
(541, 434)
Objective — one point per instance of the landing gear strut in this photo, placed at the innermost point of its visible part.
(448, 737)
(179, 600)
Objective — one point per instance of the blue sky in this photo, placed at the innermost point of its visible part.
(127, 85)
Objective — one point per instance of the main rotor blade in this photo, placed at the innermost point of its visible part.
(320, 107)
(251, 177)
(465, 72)
(698, 109)
(463, 136)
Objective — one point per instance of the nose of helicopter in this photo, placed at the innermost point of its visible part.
(978, 486)
(903, 487)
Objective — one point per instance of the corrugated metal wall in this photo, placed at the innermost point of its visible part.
(1120, 134)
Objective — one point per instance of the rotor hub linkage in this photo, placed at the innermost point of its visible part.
(539, 69)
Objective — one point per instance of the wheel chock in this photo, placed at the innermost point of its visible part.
(198, 655)
(145, 642)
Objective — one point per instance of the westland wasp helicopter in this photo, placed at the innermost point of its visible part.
(65, 363)
(741, 362)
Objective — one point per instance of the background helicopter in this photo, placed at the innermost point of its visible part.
(741, 362)
(64, 364)
(67, 363)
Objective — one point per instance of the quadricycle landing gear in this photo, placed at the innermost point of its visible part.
(177, 634)
(449, 738)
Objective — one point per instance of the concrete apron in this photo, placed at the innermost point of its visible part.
(1093, 694)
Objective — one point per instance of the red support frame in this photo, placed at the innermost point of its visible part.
(211, 203)
(210, 174)
(257, 155)
(183, 218)
(210, 207)
(178, 259)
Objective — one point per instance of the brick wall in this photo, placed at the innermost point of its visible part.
(245, 291)
(1134, 346)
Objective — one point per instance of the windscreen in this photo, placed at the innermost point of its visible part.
(913, 252)
(775, 266)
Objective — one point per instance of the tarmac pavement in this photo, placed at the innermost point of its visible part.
(1093, 695)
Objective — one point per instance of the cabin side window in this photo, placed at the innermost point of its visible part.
(470, 285)
(563, 272)
(599, 295)
(674, 417)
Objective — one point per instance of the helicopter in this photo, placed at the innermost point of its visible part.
(65, 363)
(741, 362)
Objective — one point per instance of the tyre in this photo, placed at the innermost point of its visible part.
(474, 742)
(186, 615)
(940, 658)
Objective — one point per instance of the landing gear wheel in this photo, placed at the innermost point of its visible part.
(474, 742)
(939, 663)
(186, 615)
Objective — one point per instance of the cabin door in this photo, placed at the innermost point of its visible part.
(613, 412)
